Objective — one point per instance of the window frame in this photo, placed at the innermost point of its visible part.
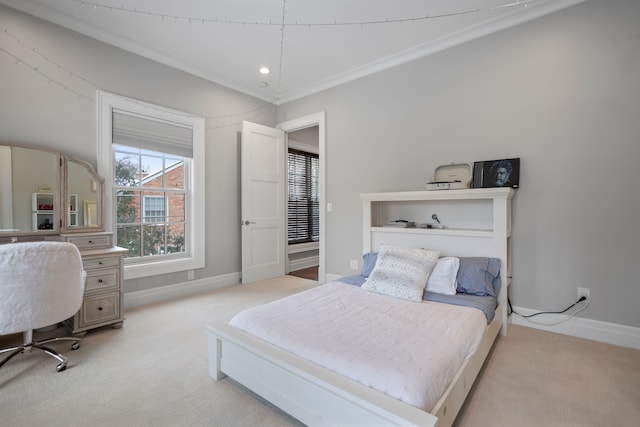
(194, 254)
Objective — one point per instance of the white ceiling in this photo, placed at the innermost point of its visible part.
(321, 44)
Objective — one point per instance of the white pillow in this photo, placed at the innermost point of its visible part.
(401, 272)
(442, 279)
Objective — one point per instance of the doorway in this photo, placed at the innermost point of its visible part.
(303, 204)
(310, 131)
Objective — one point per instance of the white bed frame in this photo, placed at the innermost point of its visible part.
(320, 397)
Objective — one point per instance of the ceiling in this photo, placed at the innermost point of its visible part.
(309, 45)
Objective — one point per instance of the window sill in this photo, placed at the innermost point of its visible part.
(135, 271)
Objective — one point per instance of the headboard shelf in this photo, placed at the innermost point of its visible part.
(436, 231)
(468, 194)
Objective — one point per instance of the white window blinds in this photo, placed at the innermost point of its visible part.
(136, 131)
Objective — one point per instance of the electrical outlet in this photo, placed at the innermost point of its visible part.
(353, 264)
(190, 275)
(583, 292)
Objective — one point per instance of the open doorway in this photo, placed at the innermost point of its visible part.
(303, 202)
(308, 133)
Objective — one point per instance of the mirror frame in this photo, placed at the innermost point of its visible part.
(60, 194)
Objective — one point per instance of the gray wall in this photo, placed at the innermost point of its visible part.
(563, 94)
(38, 112)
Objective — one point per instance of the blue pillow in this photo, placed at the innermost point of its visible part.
(479, 276)
(368, 264)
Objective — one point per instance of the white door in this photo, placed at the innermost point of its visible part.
(263, 172)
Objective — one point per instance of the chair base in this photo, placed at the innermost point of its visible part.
(28, 346)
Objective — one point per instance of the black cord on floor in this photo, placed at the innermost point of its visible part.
(511, 310)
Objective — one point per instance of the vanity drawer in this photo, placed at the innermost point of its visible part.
(102, 280)
(91, 242)
(106, 262)
(100, 309)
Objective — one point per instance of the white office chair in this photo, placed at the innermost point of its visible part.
(41, 284)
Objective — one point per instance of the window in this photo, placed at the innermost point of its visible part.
(304, 200)
(153, 209)
(156, 179)
(152, 160)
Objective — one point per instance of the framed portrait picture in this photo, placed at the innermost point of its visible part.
(496, 173)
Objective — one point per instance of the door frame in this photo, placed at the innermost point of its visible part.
(316, 119)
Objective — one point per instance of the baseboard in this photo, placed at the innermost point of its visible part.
(610, 333)
(177, 290)
(302, 263)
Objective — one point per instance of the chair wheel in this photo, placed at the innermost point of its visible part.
(75, 345)
(61, 367)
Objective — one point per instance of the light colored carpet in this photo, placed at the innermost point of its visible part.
(153, 372)
(536, 378)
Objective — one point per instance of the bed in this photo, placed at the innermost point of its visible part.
(333, 388)
(338, 395)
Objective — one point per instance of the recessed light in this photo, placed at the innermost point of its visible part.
(265, 70)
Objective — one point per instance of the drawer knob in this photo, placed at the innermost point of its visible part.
(90, 241)
(99, 280)
(99, 262)
(99, 308)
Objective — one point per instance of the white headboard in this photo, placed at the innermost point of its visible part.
(477, 222)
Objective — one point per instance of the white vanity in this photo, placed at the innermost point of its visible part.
(47, 195)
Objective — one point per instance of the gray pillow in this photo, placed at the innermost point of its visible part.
(479, 276)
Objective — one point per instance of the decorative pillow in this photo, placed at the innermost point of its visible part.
(401, 272)
(369, 261)
(479, 276)
(442, 279)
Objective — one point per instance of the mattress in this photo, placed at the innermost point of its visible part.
(407, 350)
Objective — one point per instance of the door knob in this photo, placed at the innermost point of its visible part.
(249, 222)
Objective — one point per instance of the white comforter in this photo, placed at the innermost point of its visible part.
(408, 350)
